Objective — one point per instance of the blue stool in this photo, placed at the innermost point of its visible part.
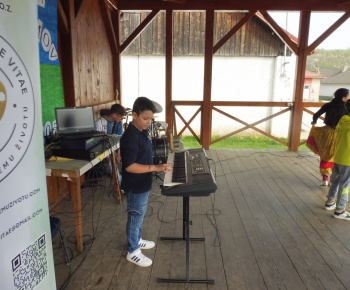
(55, 224)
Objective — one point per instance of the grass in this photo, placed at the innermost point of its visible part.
(242, 142)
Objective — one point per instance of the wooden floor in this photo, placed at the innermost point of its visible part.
(264, 228)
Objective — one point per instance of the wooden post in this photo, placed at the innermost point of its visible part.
(68, 48)
(169, 69)
(74, 187)
(208, 64)
(117, 72)
(297, 111)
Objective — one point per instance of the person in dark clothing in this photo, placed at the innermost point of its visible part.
(321, 140)
(137, 168)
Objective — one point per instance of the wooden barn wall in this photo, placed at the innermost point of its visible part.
(93, 64)
(253, 39)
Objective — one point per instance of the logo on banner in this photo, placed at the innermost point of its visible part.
(16, 109)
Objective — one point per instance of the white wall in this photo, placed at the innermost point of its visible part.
(234, 79)
(327, 90)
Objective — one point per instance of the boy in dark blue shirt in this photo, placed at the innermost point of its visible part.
(137, 168)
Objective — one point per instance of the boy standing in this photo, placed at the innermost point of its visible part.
(340, 184)
(137, 168)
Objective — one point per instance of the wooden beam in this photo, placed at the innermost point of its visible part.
(112, 4)
(280, 31)
(68, 49)
(62, 21)
(138, 30)
(297, 111)
(249, 104)
(328, 32)
(169, 69)
(188, 103)
(276, 5)
(117, 71)
(206, 119)
(234, 29)
(109, 26)
(187, 124)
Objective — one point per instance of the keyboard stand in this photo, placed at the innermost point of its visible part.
(186, 237)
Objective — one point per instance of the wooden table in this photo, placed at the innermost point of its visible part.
(73, 169)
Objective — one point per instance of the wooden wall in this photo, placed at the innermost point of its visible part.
(253, 39)
(92, 67)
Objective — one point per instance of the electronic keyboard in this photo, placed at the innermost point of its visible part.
(190, 176)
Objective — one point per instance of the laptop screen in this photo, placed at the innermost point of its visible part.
(75, 119)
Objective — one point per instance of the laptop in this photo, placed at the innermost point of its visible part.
(76, 123)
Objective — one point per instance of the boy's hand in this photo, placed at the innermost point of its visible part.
(164, 167)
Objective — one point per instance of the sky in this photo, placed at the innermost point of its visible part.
(320, 22)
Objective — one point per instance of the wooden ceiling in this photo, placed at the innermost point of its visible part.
(277, 5)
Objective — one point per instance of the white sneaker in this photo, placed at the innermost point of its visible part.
(146, 244)
(139, 259)
(344, 215)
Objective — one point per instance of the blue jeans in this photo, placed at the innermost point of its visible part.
(340, 185)
(136, 208)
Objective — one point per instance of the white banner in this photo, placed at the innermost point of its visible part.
(26, 259)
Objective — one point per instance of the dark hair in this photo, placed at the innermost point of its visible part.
(339, 94)
(337, 108)
(347, 106)
(116, 108)
(143, 104)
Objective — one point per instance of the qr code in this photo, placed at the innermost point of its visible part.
(30, 266)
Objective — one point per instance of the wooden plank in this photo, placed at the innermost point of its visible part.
(238, 26)
(192, 33)
(321, 272)
(264, 217)
(154, 38)
(258, 230)
(138, 30)
(146, 35)
(239, 220)
(176, 31)
(227, 236)
(161, 34)
(187, 29)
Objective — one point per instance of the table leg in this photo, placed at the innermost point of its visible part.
(74, 187)
(115, 176)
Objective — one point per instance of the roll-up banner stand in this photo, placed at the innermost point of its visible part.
(26, 258)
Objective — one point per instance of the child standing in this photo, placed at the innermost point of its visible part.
(340, 185)
(137, 168)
